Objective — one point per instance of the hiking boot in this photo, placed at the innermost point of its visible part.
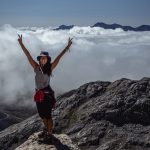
(49, 136)
(43, 133)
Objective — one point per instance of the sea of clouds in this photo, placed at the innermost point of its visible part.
(96, 54)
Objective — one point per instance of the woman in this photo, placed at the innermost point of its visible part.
(43, 70)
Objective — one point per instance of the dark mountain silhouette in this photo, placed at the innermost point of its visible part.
(98, 115)
(110, 26)
(125, 28)
(64, 27)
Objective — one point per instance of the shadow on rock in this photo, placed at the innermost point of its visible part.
(54, 141)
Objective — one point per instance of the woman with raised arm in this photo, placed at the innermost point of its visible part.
(44, 95)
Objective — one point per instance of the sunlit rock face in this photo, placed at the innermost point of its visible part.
(57, 142)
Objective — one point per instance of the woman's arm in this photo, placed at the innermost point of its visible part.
(55, 62)
(33, 63)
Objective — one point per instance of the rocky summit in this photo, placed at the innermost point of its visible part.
(99, 115)
(58, 142)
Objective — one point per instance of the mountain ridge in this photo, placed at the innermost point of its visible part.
(109, 26)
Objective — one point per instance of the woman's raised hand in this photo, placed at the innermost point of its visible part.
(69, 43)
(20, 39)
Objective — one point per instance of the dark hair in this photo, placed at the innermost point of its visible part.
(47, 67)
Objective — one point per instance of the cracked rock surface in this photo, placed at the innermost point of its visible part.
(98, 115)
(58, 142)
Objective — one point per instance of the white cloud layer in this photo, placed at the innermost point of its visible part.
(96, 54)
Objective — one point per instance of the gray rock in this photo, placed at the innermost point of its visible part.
(58, 142)
(97, 115)
(16, 134)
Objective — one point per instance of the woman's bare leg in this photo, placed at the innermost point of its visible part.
(44, 129)
(50, 125)
(45, 122)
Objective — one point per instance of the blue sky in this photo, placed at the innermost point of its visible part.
(78, 12)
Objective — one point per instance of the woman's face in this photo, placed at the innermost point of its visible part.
(43, 60)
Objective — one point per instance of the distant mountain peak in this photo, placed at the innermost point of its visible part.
(125, 28)
(109, 26)
(64, 27)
